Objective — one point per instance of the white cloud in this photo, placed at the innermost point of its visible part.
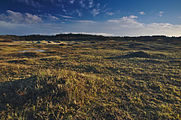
(126, 22)
(161, 13)
(125, 26)
(33, 3)
(91, 3)
(69, 7)
(78, 13)
(72, 1)
(65, 16)
(110, 13)
(17, 17)
(95, 12)
(53, 17)
(142, 13)
(86, 21)
(31, 19)
(82, 3)
(129, 19)
(133, 17)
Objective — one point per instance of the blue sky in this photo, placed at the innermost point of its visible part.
(105, 17)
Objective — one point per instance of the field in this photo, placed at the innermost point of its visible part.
(103, 80)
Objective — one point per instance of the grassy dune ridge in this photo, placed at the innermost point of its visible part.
(112, 79)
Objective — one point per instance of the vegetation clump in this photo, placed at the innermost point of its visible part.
(26, 54)
(139, 54)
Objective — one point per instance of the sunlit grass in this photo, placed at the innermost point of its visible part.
(98, 80)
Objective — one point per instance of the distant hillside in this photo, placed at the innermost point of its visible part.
(82, 37)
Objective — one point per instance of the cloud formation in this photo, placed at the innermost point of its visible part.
(85, 21)
(126, 22)
(124, 26)
(161, 13)
(51, 17)
(67, 17)
(17, 17)
(34, 3)
(142, 13)
(95, 12)
(110, 13)
(74, 8)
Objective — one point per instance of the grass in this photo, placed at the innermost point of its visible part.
(90, 80)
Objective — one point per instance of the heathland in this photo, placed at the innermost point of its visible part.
(90, 77)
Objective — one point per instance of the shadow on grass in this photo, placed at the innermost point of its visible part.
(26, 55)
(20, 92)
(139, 54)
(18, 61)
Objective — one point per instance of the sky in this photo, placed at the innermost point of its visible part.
(100, 17)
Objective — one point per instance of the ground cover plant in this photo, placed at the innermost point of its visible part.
(90, 79)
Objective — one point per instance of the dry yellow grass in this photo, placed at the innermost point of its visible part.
(90, 80)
